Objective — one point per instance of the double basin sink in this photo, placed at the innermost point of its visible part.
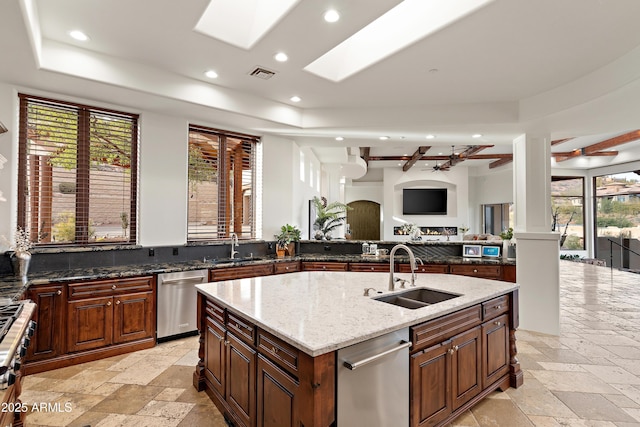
(417, 298)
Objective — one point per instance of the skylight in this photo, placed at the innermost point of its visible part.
(403, 25)
(242, 22)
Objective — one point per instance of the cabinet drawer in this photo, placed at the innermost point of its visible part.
(369, 266)
(102, 288)
(438, 330)
(231, 273)
(241, 327)
(286, 267)
(486, 271)
(427, 268)
(279, 351)
(495, 307)
(324, 266)
(215, 311)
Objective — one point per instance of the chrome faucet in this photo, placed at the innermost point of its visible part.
(412, 263)
(234, 244)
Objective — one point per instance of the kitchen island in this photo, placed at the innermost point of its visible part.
(269, 345)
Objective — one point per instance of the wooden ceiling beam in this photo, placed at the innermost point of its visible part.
(365, 153)
(501, 162)
(612, 142)
(416, 156)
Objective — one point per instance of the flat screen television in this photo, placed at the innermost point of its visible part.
(424, 201)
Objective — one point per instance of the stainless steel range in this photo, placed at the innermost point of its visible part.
(16, 329)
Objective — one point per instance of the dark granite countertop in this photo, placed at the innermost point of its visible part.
(12, 288)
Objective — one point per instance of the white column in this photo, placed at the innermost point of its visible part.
(538, 251)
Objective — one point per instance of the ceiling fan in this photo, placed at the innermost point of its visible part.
(454, 158)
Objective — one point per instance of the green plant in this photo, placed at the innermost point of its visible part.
(507, 234)
(329, 216)
(288, 234)
(64, 229)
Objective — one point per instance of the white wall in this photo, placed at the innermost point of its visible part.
(285, 195)
(488, 186)
(163, 182)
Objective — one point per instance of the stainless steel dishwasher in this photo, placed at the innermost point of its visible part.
(373, 382)
(177, 308)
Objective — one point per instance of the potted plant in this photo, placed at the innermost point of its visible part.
(508, 248)
(328, 217)
(285, 245)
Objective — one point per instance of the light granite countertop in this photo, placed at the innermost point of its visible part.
(319, 312)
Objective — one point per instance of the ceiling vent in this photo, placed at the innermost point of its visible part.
(262, 73)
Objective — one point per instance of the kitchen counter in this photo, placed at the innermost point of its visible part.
(12, 288)
(319, 312)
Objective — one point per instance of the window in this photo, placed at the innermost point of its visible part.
(77, 173)
(222, 176)
(567, 206)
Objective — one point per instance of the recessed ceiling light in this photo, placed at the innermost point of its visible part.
(339, 138)
(211, 74)
(295, 99)
(476, 135)
(79, 35)
(383, 138)
(281, 57)
(430, 136)
(331, 15)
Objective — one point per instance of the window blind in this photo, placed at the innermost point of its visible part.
(77, 173)
(221, 184)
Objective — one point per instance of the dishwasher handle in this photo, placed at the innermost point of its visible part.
(184, 281)
(355, 365)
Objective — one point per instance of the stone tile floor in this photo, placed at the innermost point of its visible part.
(589, 376)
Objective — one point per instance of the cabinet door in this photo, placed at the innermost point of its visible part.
(241, 380)
(277, 401)
(430, 384)
(495, 349)
(90, 323)
(48, 341)
(214, 356)
(466, 380)
(133, 317)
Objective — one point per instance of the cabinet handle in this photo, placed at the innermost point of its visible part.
(286, 268)
(475, 270)
(113, 287)
(59, 292)
(497, 323)
(108, 303)
(274, 350)
(226, 343)
(455, 348)
(498, 307)
(371, 268)
(450, 351)
(118, 302)
(324, 267)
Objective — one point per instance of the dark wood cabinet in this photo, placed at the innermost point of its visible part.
(495, 349)
(84, 321)
(133, 317)
(369, 266)
(425, 268)
(286, 267)
(475, 270)
(277, 396)
(324, 266)
(241, 380)
(444, 377)
(215, 356)
(242, 272)
(90, 324)
(50, 315)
